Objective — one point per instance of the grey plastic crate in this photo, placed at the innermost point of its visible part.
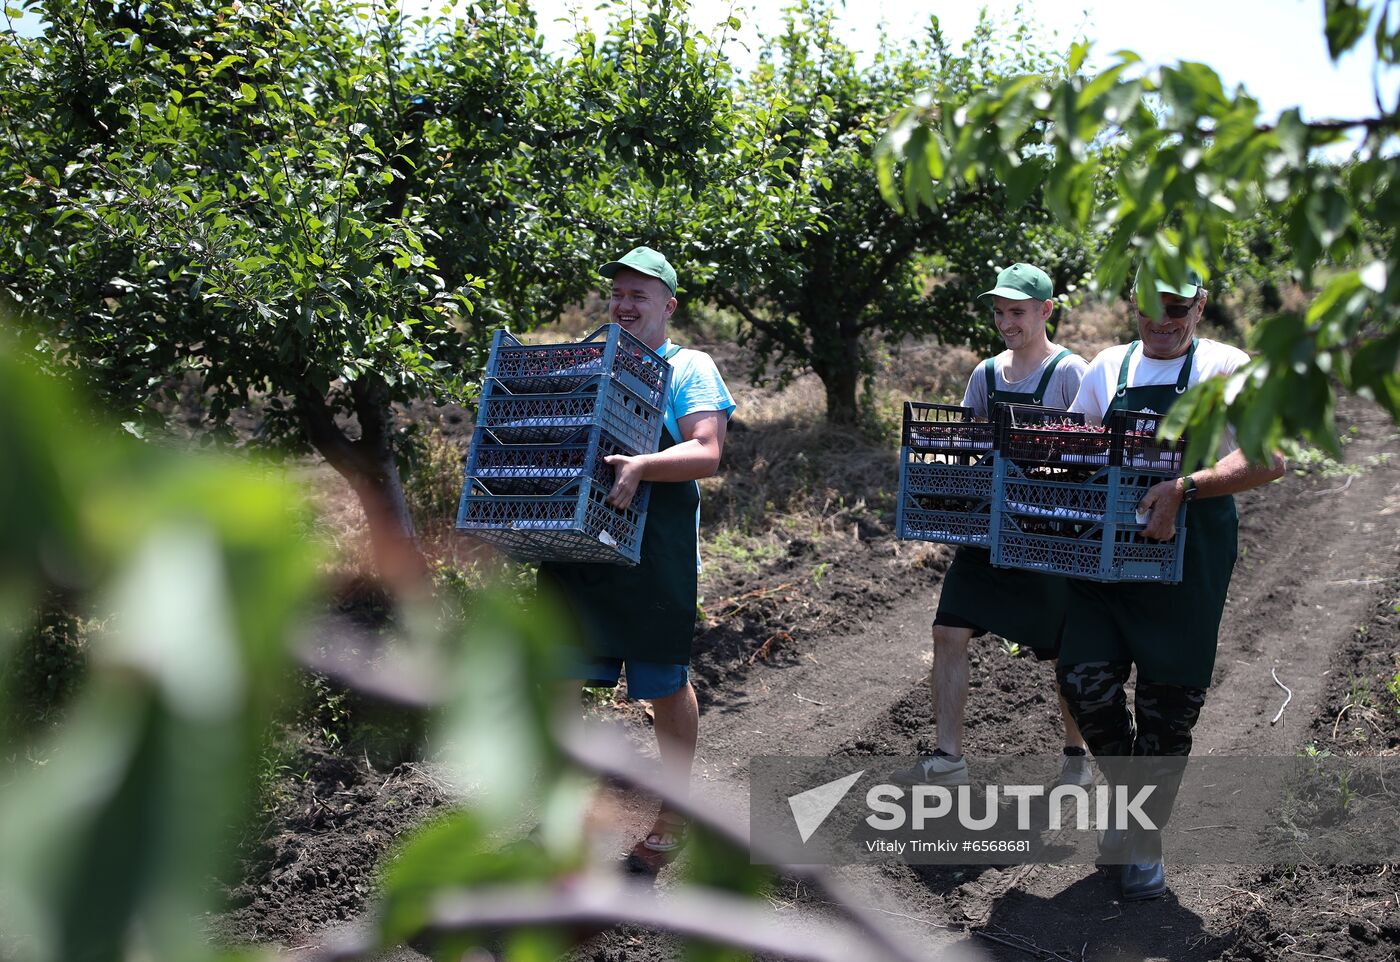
(541, 468)
(600, 401)
(950, 503)
(1137, 447)
(572, 524)
(1081, 529)
(946, 429)
(559, 368)
(1031, 435)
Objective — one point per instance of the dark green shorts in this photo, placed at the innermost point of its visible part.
(1021, 606)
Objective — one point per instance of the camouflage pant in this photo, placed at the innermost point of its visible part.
(1165, 715)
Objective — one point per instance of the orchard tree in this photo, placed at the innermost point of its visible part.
(324, 206)
(830, 268)
(1197, 162)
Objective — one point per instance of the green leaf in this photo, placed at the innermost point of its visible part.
(1345, 25)
(1336, 298)
(1078, 51)
(1022, 181)
(1199, 415)
(224, 64)
(1375, 372)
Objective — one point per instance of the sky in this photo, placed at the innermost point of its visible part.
(1275, 48)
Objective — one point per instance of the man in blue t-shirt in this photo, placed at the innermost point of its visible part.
(642, 619)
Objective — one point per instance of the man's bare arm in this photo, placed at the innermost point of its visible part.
(1230, 475)
(697, 456)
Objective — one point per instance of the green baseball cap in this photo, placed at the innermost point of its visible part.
(643, 260)
(1192, 286)
(1022, 282)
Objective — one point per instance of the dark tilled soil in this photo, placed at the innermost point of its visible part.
(314, 868)
(1319, 561)
(825, 651)
(1348, 911)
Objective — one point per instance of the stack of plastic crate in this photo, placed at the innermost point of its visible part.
(536, 478)
(945, 476)
(1066, 495)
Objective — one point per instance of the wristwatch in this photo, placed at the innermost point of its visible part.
(1189, 488)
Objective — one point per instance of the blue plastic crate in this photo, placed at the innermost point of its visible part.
(1081, 529)
(541, 468)
(559, 368)
(572, 524)
(600, 401)
(945, 502)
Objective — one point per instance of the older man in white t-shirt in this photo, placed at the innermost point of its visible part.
(1168, 632)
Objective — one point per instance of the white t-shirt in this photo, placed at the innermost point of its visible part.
(1064, 383)
(1101, 380)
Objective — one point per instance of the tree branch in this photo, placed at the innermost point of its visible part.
(603, 902)
(773, 329)
(1369, 123)
(325, 435)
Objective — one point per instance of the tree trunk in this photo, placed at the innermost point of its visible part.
(394, 542)
(838, 364)
(841, 405)
(368, 465)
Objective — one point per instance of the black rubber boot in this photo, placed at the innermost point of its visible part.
(1144, 876)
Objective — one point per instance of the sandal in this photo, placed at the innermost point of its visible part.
(661, 846)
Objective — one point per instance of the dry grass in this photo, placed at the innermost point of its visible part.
(783, 460)
(929, 371)
(340, 528)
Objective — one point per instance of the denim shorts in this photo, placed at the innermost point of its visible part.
(645, 679)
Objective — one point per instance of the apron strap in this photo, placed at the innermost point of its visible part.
(989, 370)
(1183, 377)
(668, 351)
(1123, 371)
(1040, 389)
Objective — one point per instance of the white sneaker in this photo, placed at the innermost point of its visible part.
(1076, 770)
(934, 770)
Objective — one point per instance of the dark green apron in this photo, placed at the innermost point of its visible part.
(1026, 607)
(646, 612)
(1169, 631)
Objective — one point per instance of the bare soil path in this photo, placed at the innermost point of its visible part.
(1321, 555)
(844, 673)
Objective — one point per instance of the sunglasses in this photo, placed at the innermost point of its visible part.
(1175, 311)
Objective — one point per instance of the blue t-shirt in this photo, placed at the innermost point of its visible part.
(696, 385)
